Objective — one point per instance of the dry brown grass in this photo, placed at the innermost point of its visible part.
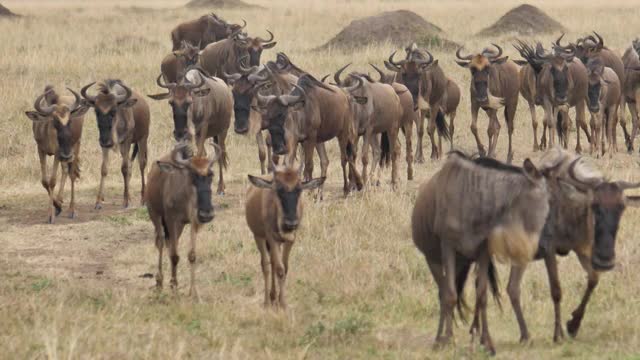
(358, 287)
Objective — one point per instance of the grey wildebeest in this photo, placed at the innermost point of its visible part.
(463, 214)
(202, 108)
(494, 82)
(176, 63)
(529, 75)
(631, 87)
(225, 56)
(203, 31)
(273, 211)
(57, 129)
(433, 93)
(123, 119)
(312, 114)
(603, 100)
(380, 113)
(585, 212)
(179, 193)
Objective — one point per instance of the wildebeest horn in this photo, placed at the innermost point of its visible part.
(244, 24)
(266, 41)
(624, 185)
(336, 76)
(382, 75)
(425, 63)
(396, 64)
(47, 110)
(89, 98)
(324, 78)
(289, 100)
(234, 76)
(499, 54)
(459, 56)
(600, 43)
(254, 77)
(585, 184)
(540, 52)
(162, 85)
(263, 100)
(77, 102)
(356, 86)
(127, 95)
(197, 85)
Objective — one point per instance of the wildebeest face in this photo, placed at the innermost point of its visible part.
(106, 109)
(202, 184)
(62, 124)
(180, 103)
(242, 97)
(273, 119)
(480, 81)
(560, 81)
(594, 94)
(607, 207)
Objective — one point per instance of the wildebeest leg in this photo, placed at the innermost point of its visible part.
(308, 146)
(438, 276)
(376, 155)
(431, 130)
(419, 120)
(612, 122)
(50, 184)
(222, 161)
(160, 241)
(366, 143)
(595, 127)
(481, 303)
(73, 169)
(262, 152)
(493, 131)
(474, 127)
(125, 168)
(348, 156)
(635, 121)
(581, 121)
(408, 133)
(175, 230)
(534, 125)
(450, 295)
(393, 147)
(573, 325)
(550, 114)
(265, 264)
(513, 289)
(63, 182)
(142, 163)
(286, 250)
(193, 292)
(623, 121)
(324, 159)
(556, 293)
(104, 170)
(452, 118)
(275, 250)
(510, 115)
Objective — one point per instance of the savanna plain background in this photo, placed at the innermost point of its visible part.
(357, 287)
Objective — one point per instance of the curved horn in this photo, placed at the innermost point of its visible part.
(336, 76)
(254, 77)
(382, 75)
(396, 64)
(600, 44)
(162, 85)
(460, 57)
(244, 69)
(499, 54)
(77, 102)
(325, 78)
(585, 183)
(89, 98)
(199, 84)
(356, 86)
(127, 95)
(624, 185)
(46, 110)
(266, 41)
(557, 42)
(289, 100)
(234, 76)
(263, 100)
(244, 25)
(425, 63)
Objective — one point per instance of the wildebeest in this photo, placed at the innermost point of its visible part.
(631, 88)
(203, 31)
(563, 84)
(57, 129)
(323, 114)
(226, 55)
(463, 214)
(585, 212)
(179, 193)
(176, 63)
(381, 114)
(494, 83)
(529, 75)
(202, 108)
(123, 119)
(273, 211)
(603, 100)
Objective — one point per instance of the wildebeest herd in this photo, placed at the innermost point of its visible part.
(475, 209)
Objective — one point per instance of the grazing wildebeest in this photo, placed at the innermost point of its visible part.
(603, 100)
(176, 63)
(57, 129)
(529, 75)
(585, 211)
(273, 211)
(494, 83)
(225, 56)
(562, 84)
(324, 113)
(203, 31)
(202, 108)
(382, 113)
(463, 214)
(631, 88)
(179, 193)
(123, 119)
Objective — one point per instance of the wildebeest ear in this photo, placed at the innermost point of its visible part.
(633, 201)
(269, 45)
(35, 116)
(464, 64)
(313, 183)
(501, 60)
(260, 182)
(530, 170)
(160, 96)
(202, 92)
(521, 62)
(361, 99)
(129, 103)
(80, 111)
(166, 166)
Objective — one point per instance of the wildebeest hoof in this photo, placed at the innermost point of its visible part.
(73, 215)
(221, 193)
(51, 219)
(419, 160)
(98, 206)
(435, 155)
(509, 158)
(573, 326)
(578, 149)
(482, 151)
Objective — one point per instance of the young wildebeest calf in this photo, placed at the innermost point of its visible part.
(274, 211)
(123, 116)
(464, 213)
(603, 100)
(57, 128)
(179, 193)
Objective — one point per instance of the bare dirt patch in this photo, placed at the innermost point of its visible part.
(523, 20)
(399, 27)
(222, 4)
(6, 13)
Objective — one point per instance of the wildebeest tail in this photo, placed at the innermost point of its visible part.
(559, 127)
(224, 158)
(464, 266)
(385, 146)
(135, 151)
(166, 230)
(494, 283)
(441, 125)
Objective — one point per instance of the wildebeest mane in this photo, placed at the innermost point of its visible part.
(487, 162)
(307, 82)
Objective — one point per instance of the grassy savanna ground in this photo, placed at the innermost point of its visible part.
(357, 287)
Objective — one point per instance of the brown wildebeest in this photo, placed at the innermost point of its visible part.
(603, 100)
(434, 93)
(463, 214)
(176, 63)
(57, 129)
(203, 31)
(631, 88)
(202, 107)
(382, 115)
(225, 56)
(179, 193)
(529, 75)
(123, 119)
(562, 84)
(324, 113)
(585, 211)
(494, 83)
(273, 211)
